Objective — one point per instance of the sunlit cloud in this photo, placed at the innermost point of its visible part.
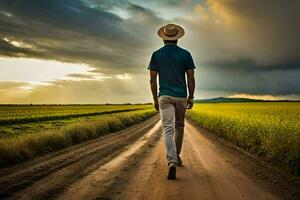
(16, 43)
(26, 88)
(121, 12)
(123, 76)
(259, 97)
(38, 71)
(30, 85)
(222, 13)
(87, 76)
(7, 14)
(202, 11)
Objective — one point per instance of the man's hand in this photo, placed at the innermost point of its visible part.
(156, 105)
(190, 103)
(191, 87)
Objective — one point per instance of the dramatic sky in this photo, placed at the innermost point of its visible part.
(97, 51)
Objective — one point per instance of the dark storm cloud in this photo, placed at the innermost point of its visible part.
(73, 31)
(250, 65)
(265, 32)
(238, 45)
(245, 76)
(275, 82)
(248, 46)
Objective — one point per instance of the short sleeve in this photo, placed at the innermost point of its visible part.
(153, 65)
(189, 62)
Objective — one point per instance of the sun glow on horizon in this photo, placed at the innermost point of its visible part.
(38, 71)
(257, 97)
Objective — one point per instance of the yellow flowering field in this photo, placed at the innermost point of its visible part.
(270, 129)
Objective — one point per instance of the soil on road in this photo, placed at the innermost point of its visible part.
(131, 164)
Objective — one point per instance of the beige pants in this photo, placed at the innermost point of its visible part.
(172, 112)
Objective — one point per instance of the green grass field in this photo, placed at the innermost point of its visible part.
(269, 129)
(22, 140)
(24, 119)
(13, 114)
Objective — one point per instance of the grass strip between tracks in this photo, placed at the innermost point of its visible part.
(23, 148)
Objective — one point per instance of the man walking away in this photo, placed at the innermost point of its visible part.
(172, 63)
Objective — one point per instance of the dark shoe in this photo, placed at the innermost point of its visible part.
(172, 171)
(179, 161)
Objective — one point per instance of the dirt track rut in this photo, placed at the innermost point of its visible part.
(131, 164)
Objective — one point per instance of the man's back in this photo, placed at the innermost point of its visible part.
(171, 62)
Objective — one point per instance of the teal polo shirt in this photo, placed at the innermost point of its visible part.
(171, 62)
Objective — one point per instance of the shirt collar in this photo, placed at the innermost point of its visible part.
(170, 44)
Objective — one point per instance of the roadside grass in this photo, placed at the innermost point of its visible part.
(20, 114)
(21, 129)
(25, 147)
(271, 130)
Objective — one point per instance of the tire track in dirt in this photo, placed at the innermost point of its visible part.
(47, 176)
(94, 184)
(212, 170)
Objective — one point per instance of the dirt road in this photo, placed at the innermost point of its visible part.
(131, 164)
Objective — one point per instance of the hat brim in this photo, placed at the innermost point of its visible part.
(179, 34)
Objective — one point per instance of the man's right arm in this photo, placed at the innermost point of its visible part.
(154, 68)
(191, 87)
(153, 84)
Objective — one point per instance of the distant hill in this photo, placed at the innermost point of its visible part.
(236, 100)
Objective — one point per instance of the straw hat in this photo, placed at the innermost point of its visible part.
(170, 32)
